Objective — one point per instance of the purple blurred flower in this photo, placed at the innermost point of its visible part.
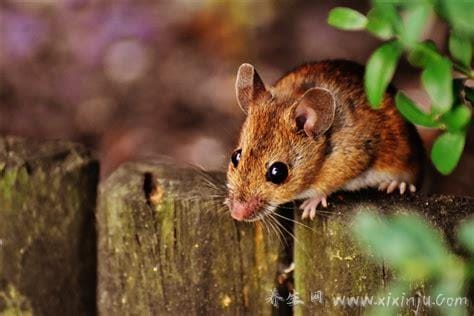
(91, 34)
(21, 34)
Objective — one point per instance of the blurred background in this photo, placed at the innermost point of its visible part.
(135, 79)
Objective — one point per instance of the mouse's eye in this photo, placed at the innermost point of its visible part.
(236, 157)
(277, 173)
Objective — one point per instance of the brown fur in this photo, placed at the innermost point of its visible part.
(360, 137)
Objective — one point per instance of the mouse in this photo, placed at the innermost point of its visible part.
(313, 133)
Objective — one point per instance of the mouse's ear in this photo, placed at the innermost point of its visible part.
(248, 86)
(315, 111)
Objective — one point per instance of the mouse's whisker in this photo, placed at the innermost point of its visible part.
(297, 242)
(279, 234)
(284, 228)
(262, 221)
(294, 221)
(264, 225)
(263, 216)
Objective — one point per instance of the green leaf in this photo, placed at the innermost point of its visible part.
(466, 235)
(450, 282)
(459, 14)
(378, 25)
(460, 48)
(389, 12)
(367, 226)
(437, 80)
(411, 112)
(458, 118)
(383, 242)
(423, 54)
(430, 249)
(347, 19)
(447, 151)
(379, 71)
(414, 23)
(405, 242)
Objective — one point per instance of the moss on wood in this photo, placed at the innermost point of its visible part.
(166, 243)
(166, 247)
(330, 261)
(47, 234)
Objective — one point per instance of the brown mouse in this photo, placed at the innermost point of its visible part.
(313, 133)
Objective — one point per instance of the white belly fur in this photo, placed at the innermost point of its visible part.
(368, 179)
(372, 178)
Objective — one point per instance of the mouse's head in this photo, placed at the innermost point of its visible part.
(281, 146)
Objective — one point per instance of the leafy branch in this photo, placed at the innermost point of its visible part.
(418, 254)
(401, 23)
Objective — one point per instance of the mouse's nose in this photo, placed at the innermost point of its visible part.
(243, 210)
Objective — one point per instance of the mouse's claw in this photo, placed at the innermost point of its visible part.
(391, 186)
(402, 187)
(383, 186)
(309, 206)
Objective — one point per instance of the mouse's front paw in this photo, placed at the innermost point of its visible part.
(390, 186)
(309, 206)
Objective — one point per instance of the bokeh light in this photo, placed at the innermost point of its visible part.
(139, 78)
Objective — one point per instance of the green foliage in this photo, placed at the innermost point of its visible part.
(460, 48)
(447, 150)
(412, 112)
(423, 54)
(458, 13)
(458, 118)
(414, 23)
(380, 69)
(405, 243)
(437, 80)
(378, 25)
(402, 23)
(417, 253)
(466, 235)
(413, 249)
(347, 19)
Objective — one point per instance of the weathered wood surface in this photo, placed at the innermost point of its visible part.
(174, 251)
(327, 259)
(47, 234)
(167, 248)
(166, 243)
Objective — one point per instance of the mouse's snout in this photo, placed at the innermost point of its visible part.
(243, 210)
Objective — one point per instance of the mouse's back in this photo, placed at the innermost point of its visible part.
(313, 133)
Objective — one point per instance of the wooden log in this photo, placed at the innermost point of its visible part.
(166, 247)
(47, 235)
(167, 244)
(329, 263)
